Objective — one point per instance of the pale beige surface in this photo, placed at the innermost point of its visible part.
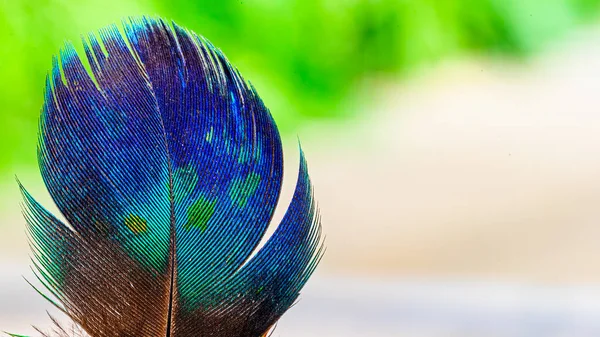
(480, 169)
(474, 170)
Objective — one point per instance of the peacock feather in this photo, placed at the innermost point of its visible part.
(167, 167)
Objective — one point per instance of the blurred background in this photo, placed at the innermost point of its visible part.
(454, 147)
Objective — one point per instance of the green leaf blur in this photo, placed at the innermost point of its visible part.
(305, 57)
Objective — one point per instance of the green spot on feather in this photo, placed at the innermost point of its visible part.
(240, 190)
(199, 213)
(136, 224)
(244, 156)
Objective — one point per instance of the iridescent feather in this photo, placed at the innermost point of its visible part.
(167, 168)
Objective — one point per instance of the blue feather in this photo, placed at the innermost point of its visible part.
(167, 167)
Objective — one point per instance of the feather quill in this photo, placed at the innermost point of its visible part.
(167, 167)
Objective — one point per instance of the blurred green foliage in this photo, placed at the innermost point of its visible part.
(304, 56)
